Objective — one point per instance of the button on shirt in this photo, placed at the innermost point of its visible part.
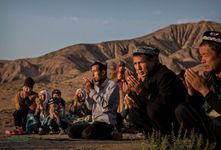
(104, 101)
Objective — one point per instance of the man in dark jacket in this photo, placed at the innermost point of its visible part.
(204, 91)
(156, 91)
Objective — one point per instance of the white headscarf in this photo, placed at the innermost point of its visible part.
(82, 91)
(47, 98)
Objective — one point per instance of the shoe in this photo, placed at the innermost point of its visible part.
(41, 131)
(62, 132)
(117, 136)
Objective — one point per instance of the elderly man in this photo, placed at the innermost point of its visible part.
(204, 91)
(156, 92)
(103, 99)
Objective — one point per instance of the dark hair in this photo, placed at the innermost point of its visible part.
(213, 45)
(56, 91)
(101, 66)
(29, 82)
(148, 57)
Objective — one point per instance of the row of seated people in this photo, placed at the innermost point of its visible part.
(155, 97)
(42, 113)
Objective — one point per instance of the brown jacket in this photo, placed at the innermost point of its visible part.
(28, 102)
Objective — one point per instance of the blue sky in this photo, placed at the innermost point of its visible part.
(30, 28)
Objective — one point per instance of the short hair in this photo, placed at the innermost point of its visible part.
(213, 45)
(29, 82)
(56, 91)
(102, 66)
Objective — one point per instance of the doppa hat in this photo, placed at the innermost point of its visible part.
(147, 49)
(212, 36)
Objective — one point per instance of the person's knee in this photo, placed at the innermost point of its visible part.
(85, 134)
(73, 132)
(156, 113)
(217, 127)
(179, 111)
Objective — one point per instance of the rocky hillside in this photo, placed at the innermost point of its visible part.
(178, 44)
(64, 68)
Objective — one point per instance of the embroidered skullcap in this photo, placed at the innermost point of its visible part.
(147, 49)
(212, 36)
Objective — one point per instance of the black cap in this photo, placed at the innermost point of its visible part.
(212, 36)
(147, 49)
(29, 82)
(56, 91)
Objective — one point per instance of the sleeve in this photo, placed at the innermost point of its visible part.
(70, 107)
(19, 102)
(166, 89)
(104, 99)
(37, 111)
(88, 103)
(31, 101)
(17, 105)
(171, 90)
(141, 99)
(196, 100)
(212, 100)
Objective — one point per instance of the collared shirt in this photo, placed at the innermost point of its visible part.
(104, 101)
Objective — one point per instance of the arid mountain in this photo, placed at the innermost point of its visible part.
(64, 68)
(178, 44)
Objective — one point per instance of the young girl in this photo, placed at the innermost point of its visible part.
(55, 123)
(78, 107)
(42, 109)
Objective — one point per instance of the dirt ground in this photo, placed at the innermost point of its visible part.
(58, 141)
(48, 141)
(64, 142)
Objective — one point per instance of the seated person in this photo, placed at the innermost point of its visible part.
(204, 92)
(55, 122)
(61, 102)
(42, 110)
(78, 106)
(156, 92)
(24, 103)
(103, 98)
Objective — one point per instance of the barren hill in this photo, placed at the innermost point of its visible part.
(64, 68)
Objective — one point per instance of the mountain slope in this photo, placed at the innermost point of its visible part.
(178, 44)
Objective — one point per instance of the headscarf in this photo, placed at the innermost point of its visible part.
(82, 91)
(47, 98)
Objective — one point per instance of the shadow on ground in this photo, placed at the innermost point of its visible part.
(64, 142)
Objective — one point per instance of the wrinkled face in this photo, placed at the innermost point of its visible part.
(41, 96)
(210, 59)
(26, 90)
(97, 74)
(142, 66)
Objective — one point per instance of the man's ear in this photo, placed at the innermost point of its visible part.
(103, 72)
